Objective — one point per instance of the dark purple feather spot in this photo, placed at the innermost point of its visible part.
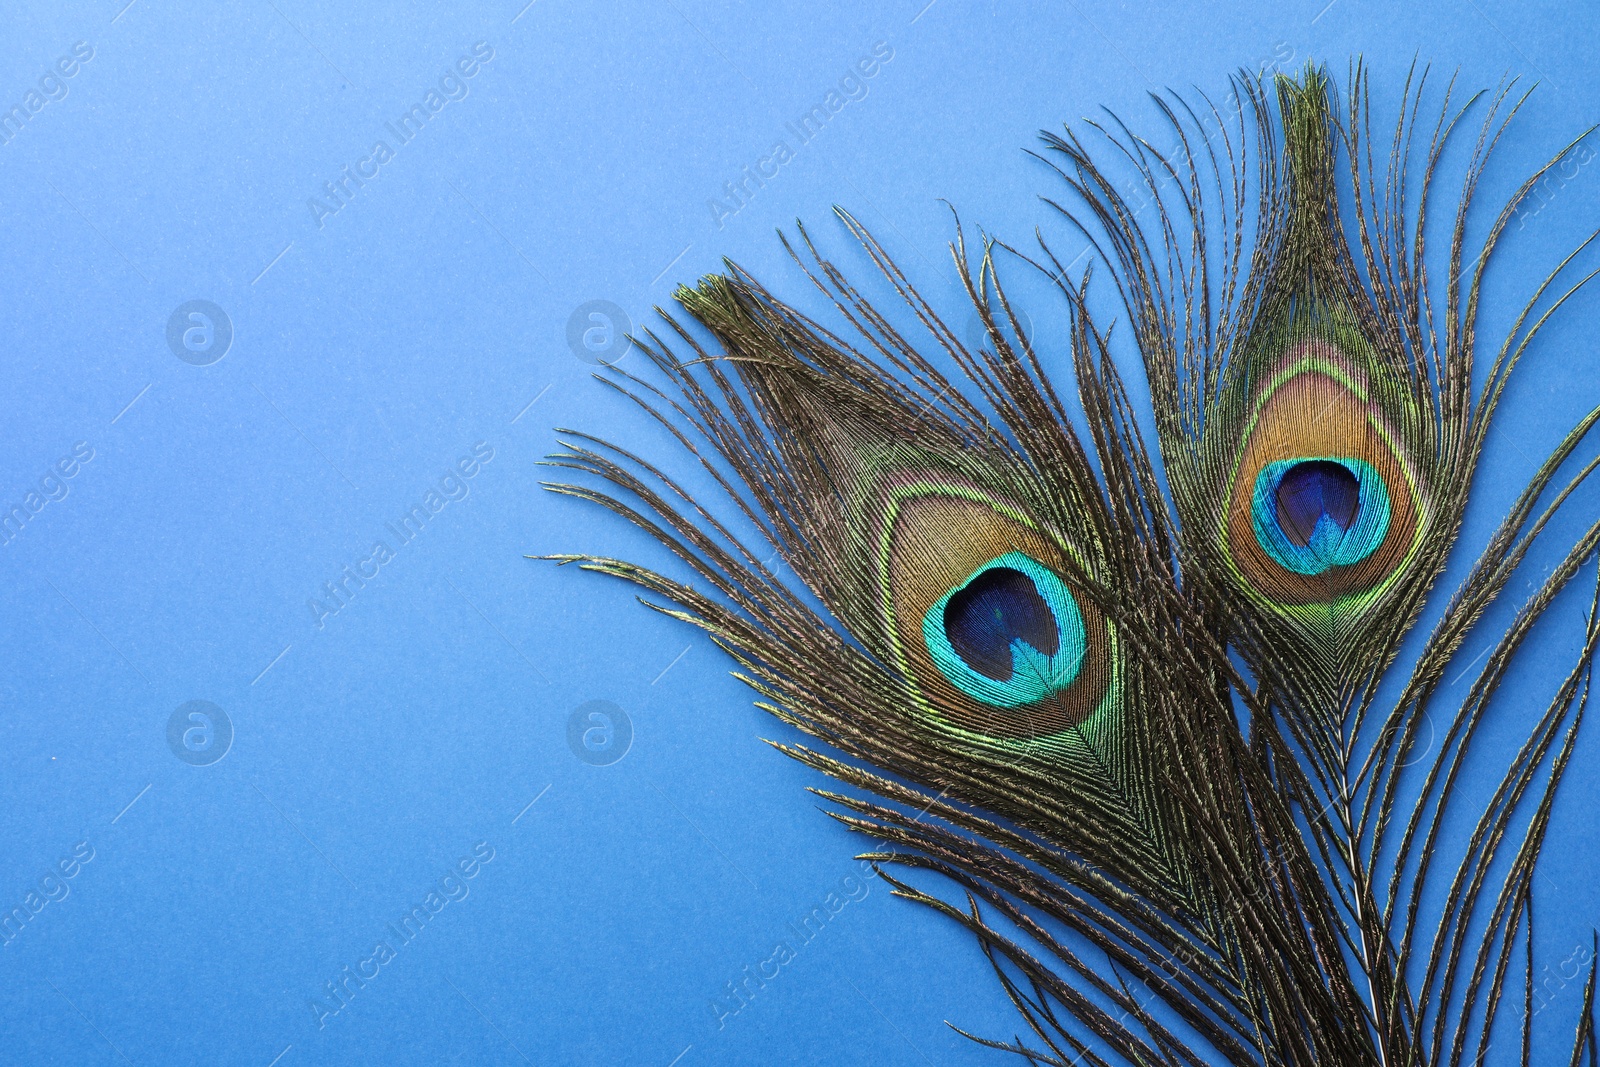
(996, 607)
(1307, 491)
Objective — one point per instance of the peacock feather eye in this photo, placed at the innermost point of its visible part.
(981, 612)
(1009, 634)
(1324, 506)
(1317, 513)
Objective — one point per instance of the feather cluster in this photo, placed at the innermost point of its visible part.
(1129, 702)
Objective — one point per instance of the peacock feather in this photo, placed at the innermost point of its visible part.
(1130, 708)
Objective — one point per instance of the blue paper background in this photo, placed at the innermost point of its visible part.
(375, 346)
